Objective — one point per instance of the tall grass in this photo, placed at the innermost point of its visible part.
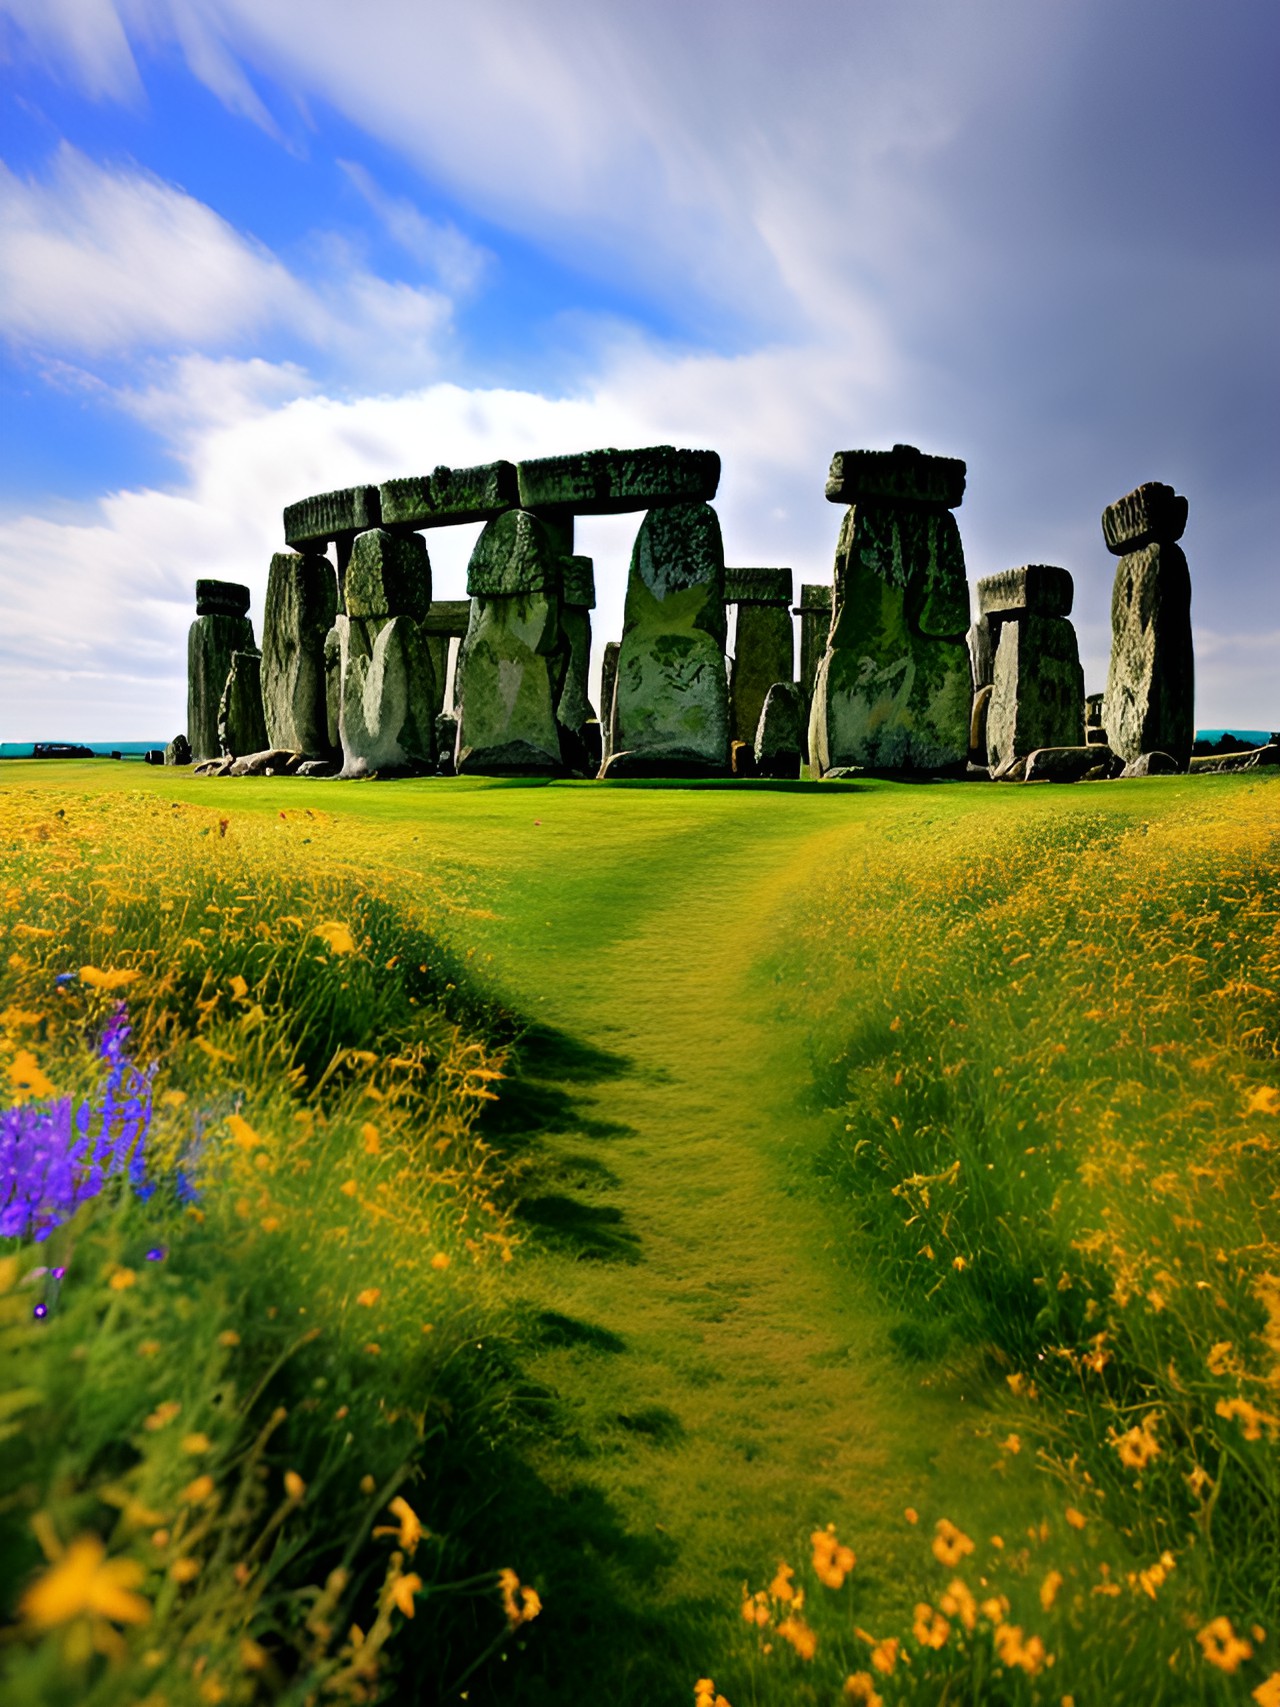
(1052, 1041)
(246, 1396)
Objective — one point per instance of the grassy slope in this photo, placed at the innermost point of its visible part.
(722, 1380)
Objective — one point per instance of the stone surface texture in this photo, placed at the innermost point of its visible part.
(178, 751)
(1153, 514)
(221, 598)
(981, 640)
(671, 703)
(211, 642)
(329, 515)
(302, 602)
(388, 575)
(893, 690)
(242, 728)
(573, 708)
(1068, 764)
(901, 476)
(814, 611)
(579, 582)
(1150, 699)
(1037, 690)
(763, 653)
(610, 482)
(386, 696)
(448, 617)
(1152, 764)
(1039, 588)
(757, 586)
(511, 665)
(608, 683)
(779, 738)
(449, 496)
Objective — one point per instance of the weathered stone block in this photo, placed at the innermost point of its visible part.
(211, 642)
(515, 554)
(447, 617)
(388, 575)
(779, 740)
(242, 728)
(893, 690)
(609, 482)
(1152, 764)
(1069, 764)
(1150, 698)
(510, 671)
(314, 521)
(1040, 588)
(671, 710)
(899, 476)
(757, 586)
(221, 598)
(574, 708)
(302, 602)
(387, 696)
(178, 751)
(449, 496)
(814, 611)
(763, 653)
(1152, 514)
(1037, 697)
(579, 586)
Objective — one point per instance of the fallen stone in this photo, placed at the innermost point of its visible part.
(211, 641)
(900, 476)
(1013, 770)
(1068, 764)
(1037, 694)
(610, 482)
(330, 515)
(1253, 758)
(302, 602)
(178, 751)
(388, 575)
(671, 703)
(386, 717)
(893, 691)
(1039, 589)
(1149, 515)
(270, 762)
(512, 662)
(213, 767)
(779, 741)
(757, 586)
(1150, 698)
(242, 728)
(763, 653)
(221, 598)
(450, 496)
(317, 768)
(1151, 764)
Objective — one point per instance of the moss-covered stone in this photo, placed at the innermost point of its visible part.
(211, 641)
(516, 553)
(763, 653)
(902, 477)
(302, 602)
(1150, 699)
(330, 515)
(1037, 694)
(387, 700)
(388, 575)
(510, 672)
(610, 482)
(242, 727)
(1149, 515)
(449, 496)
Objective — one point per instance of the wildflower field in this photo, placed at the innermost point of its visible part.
(469, 1241)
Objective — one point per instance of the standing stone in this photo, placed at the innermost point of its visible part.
(764, 645)
(302, 602)
(671, 703)
(1095, 732)
(894, 687)
(814, 611)
(574, 709)
(242, 728)
(608, 686)
(387, 693)
(178, 751)
(221, 627)
(1037, 686)
(780, 734)
(1150, 698)
(512, 663)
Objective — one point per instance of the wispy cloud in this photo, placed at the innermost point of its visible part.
(456, 261)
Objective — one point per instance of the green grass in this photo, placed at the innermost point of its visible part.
(720, 1333)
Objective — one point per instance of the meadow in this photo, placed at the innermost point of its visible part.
(757, 1244)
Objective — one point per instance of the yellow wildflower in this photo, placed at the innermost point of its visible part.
(26, 1078)
(1252, 1420)
(1014, 1651)
(780, 1588)
(195, 1444)
(372, 1140)
(793, 1629)
(959, 1603)
(253, 1656)
(519, 1611)
(1076, 1519)
(162, 1416)
(339, 939)
(1267, 1694)
(995, 1610)
(403, 1589)
(1137, 1446)
(705, 1695)
(197, 1492)
(911, 1514)
(239, 988)
(113, 979)
(949, 1543)
(408, 1530)
(1221, 1646)
(242, 1134)
(1049, 1589)
(367, 1484)
(1011, 1443)
(228, 1337)
(440, 1260)
(1265, 1100)
(122, 1280)
(85, 1581)
(860, 1689)
(755, 1608)
(884, 1656)
(348, 1188)
(369, 1297)
(831, 1561)
(294, 1486)
(184, 1570)
(928, 1627)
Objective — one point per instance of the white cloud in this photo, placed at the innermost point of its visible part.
(84, 37)
(456, 261)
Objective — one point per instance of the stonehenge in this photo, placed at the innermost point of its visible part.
(357, 674)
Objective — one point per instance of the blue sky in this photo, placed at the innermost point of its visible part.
(251, 249)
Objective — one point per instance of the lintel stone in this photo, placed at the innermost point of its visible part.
(903, 475)
(448, 617)
(1038, 589)
(757, 586)
(814, 596)
(330, 514)
(611, 482)
(449, 496)
(221, 598)
(1152, 514)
